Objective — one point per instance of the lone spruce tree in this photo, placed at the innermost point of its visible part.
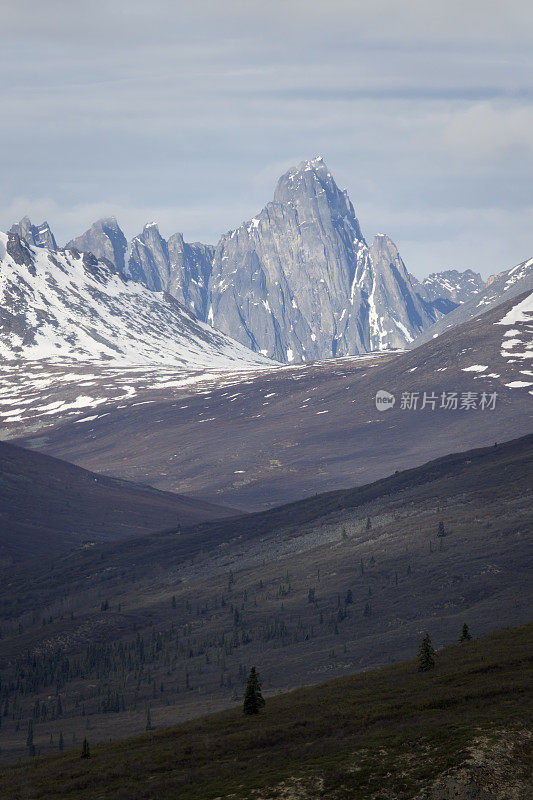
(29, 739)
(253, 699)
(426, 655)
(85, 752)
(465, 634)
(148, 726)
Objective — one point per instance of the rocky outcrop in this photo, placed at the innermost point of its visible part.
(172, 266)
(148, 260)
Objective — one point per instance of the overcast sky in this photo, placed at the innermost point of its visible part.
(186, 113)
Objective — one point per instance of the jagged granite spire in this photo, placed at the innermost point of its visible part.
(104, 239)
(148, 260)
(69, 305)
(299, 282)
(35, 235)
(282, 281)
(189, 273)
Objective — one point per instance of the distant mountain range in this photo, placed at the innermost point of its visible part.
(505, 286)
(298, 282)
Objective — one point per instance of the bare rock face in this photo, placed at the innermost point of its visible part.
(299, 282)
(172, 266)
(104, 239)
(148, 260)
(35, 235)
(282, 281)
(189, 272)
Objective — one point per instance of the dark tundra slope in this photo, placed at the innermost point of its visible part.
(291, 432)
(48, 506)
(321, 588)
(461, 732)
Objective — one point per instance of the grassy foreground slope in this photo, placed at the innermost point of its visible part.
(460, 731)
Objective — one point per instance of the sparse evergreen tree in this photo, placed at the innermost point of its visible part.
(29, 739)
(426, 655)
(311, 595)
(465, 634)
(253, 699)
(368, 523)
(85, 752)
(148, 726)
(349, 597)
(441, 531)
(61, 741)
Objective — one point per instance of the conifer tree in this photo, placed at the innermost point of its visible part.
(368, 523)
(441, 531)
(148, 726)
(61, 742)
(253, 699)
(29, 739)
(426, 655)
(85, 752)
(465, 634)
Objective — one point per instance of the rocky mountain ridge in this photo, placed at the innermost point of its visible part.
(67, 305)
(297, 282)
(501, 287)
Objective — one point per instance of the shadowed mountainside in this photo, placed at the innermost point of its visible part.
(48, 506)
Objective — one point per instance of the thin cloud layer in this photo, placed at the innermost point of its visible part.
(187, 114)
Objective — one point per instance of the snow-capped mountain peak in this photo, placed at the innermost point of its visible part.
(68, 305)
